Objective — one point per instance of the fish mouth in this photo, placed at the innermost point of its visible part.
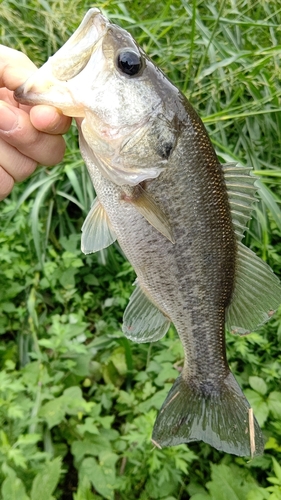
(50, 83)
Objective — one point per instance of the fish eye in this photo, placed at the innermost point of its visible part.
(129, 62)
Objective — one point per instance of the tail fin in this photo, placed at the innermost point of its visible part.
(218, 415)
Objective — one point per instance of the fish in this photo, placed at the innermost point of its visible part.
(178, 214)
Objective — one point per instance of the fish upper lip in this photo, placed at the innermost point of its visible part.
(93, 18)
(85, 38)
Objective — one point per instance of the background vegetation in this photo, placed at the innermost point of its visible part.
(77, 400)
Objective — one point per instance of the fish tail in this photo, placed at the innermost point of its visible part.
(216, 413)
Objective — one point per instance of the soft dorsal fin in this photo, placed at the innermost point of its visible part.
(256, 296)
(241, 191)
(96, 230)
(149, 209)
(142, 320)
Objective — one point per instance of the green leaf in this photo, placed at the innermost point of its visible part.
(90, 279)
(35, 225)
(12, 487)
(67, 278)
(18, 457)
(154, 401)
(93, 445)
(228, 484)
(119, 361)
(197, 489)
(260, 407)
(258, 494)
(71, 402)
(88, 426)
(45, 482)
(74, 402)
(274, 403)
(84, 491)
(277, 469)
(102, 474)
(272, 444)
(201, 496)
(53, 412)
(82, 364)
(258, 384)
(275, 492)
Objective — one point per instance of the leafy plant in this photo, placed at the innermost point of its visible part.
(77, 399)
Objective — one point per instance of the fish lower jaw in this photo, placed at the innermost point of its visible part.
(50, 93)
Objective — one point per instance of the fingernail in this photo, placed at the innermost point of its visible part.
(8, 119)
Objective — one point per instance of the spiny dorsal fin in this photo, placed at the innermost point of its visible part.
(96, 230)
(241, 194)
(256, 295)
(143, 321)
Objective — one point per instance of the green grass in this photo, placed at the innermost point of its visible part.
(77, 400)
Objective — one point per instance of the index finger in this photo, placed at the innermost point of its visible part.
(15, 67)
(49, 119)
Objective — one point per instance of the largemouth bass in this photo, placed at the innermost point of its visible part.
(179, 216)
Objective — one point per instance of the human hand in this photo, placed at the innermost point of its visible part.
(28, 135)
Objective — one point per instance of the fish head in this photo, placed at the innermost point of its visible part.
(104, 79)
(101, 69)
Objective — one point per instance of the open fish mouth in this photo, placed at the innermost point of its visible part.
(65, 65)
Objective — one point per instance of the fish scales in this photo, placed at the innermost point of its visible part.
(179, 216)
(174, 275)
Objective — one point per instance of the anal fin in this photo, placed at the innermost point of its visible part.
(256, 295)
(142, 320)
(96, 230)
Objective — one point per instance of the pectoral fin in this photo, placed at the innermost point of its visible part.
(149, 209)
(96, 230)
(143, 321)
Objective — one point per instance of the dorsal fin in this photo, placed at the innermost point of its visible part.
(241, 191)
